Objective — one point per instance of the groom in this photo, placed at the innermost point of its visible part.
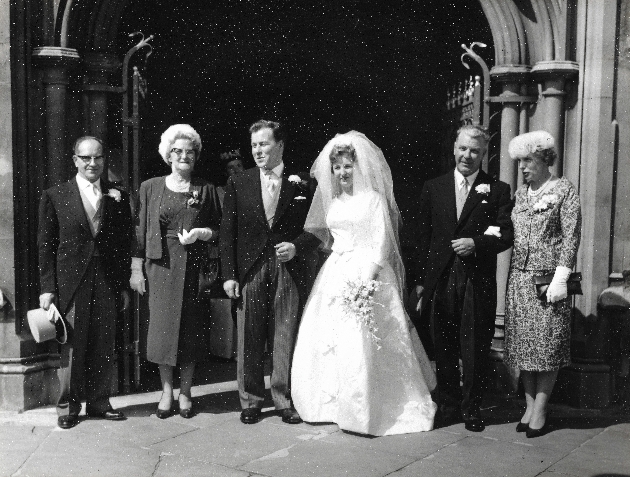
(264, 210)
(464, 223)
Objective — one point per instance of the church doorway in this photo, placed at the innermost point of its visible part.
(321, 67)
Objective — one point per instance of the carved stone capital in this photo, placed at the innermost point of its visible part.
(555, 70)
(56, 61)
(511, 73)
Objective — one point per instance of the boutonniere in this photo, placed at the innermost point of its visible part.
(296, 180)
(114, 194)
(547, 201)
(193, 198)
(483, 189)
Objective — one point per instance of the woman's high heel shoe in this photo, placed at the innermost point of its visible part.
(164, 413)
(522, 426)
(531, 433)
(187, 412)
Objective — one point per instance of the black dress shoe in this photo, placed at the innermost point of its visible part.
(474, 425)
(521, 427)
(531, 433)
(473, 421)
(109, 414)
(250, 415)
(291, 416)
(68, 422)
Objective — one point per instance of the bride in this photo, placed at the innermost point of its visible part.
(371, 381)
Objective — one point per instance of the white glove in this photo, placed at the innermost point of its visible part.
(558, 287)
(186, 238)
(136, 282)
(493, 230)
(47, 299)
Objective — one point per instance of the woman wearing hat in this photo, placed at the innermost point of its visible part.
(547, 224)
(178, 215)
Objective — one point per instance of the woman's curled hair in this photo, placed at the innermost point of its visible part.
(342, 150)
(175, 132)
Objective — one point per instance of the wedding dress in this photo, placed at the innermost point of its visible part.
(339, 374)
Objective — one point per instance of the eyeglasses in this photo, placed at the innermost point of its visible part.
(190, 153)
(88, 159)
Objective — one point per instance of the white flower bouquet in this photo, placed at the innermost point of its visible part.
(357, 302)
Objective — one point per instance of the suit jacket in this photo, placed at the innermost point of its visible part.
(66, 244)
(148, 241)
(439, 225)
(245, 231)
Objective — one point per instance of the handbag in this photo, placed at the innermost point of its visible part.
(210, 283)
(574, 285)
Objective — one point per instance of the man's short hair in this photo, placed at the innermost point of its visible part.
(279, 133)
(474, 131)
(78, 142)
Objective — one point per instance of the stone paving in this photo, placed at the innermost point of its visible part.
(216, 443)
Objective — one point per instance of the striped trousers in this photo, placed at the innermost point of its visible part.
(266, 314)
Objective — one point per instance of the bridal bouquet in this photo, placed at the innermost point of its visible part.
(357, 302)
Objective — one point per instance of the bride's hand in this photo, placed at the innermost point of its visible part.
(371, 272)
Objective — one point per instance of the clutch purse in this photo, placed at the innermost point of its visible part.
(574, 284)
(210, 284)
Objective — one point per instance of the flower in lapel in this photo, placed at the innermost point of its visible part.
(114, 194)
(547, 201)
(193, 198)
(483, 189)
(296, 180)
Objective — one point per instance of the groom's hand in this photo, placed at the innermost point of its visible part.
(285, 251)
(232, 289)
(415, 298)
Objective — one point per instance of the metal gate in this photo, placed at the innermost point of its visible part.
(133, 90)
(467, 103)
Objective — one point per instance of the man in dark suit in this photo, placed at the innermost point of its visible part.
(264, 210)
(84, 240)
(464, 223)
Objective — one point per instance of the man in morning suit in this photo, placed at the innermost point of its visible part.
(84, 241)
(464, 223)
(264, 210)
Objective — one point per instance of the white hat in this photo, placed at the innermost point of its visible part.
(525, 144)
(47, 325)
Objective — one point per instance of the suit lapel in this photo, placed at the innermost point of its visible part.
(446, 190)
(76, 204)
(286, 194)
(474, 197)
(105, 206)
(256, 196)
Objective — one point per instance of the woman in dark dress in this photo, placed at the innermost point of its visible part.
(178, 216)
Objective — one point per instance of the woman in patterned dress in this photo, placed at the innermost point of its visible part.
(547, 223)
(178, 215)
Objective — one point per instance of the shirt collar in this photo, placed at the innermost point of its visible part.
(84, 183)
(276, 170)
(471, 178)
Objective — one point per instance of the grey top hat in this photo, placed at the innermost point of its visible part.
(47, 325)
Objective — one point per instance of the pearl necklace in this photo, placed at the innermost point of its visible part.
(176, 186)
(541, 189)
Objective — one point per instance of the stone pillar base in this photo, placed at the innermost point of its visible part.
(585, 386)
(28, 385)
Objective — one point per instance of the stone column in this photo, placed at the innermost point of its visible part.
(95, 85)
(553, 75)
(511, 78)
(56, 62)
